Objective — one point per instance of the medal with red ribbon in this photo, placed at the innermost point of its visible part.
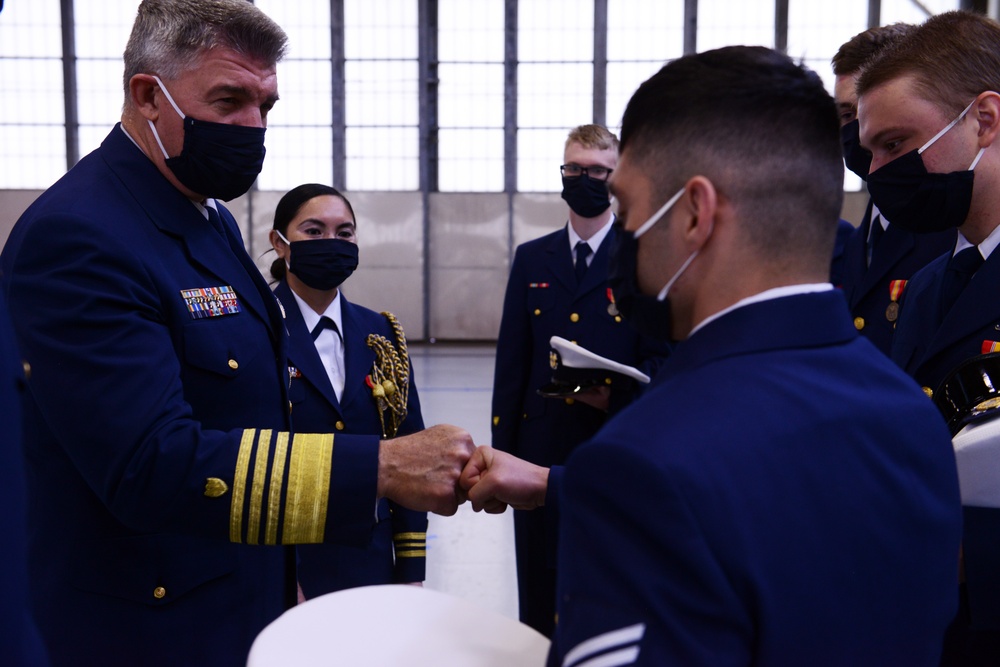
(896, 288)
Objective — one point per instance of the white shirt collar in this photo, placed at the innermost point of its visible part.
(988, 245)
(766, 295)
(594, 241)
(311, 317)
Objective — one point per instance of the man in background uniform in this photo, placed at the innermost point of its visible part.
(558, 286)
(929, 110)
(878, 257)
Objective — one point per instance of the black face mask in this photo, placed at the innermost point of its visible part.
(587, 197)
(218, 160)
(322, 264)
(647, 314)
(643, 312)
(919, 201)
(856, 158)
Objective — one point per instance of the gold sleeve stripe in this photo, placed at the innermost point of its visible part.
(308, 488)
(257, 490)
(239, 485)
(409, 536)
(276, 487)
(411, 554)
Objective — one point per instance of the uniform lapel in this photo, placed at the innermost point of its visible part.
(358, 357)
(894, 245)
(597, 275)
(302, 351)
(172, 213)
(968, 313)
(560, 260)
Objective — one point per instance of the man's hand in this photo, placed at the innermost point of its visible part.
(494, 479)
(598, 397)
(421, 471)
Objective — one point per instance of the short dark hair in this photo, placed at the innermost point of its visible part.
(858, 50)
(762, 128)
(953, 57)
(288, 207)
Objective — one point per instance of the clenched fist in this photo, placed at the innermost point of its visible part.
(421, 471)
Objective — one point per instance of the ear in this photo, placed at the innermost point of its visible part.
(279, 246)
(987, 114)
(142, 90)
(702, 201)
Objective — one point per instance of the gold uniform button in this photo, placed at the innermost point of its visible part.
(538, 311)
(607, 380)
(859, 323)
(159, 592)
(27, 369)
(928, 391)
(233, 364)
(215, 487)
(496, 420)
(618, 318)
(339, 425)
(574, 317)
(570, 401)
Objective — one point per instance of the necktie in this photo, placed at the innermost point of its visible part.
(874, 236)
(331, 352)
(957, 275)
(325, 323)
(215, 220)
(582, 252)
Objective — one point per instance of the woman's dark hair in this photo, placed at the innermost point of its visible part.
(288, 208)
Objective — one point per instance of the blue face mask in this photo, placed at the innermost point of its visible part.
(649, 315)
(218, 160)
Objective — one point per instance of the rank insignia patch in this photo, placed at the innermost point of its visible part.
(211, 301)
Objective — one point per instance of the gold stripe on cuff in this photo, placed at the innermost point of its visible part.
(411, 554)
(308, 488)
(410, 536)
(276, 487)
(239, 485)
(257, 490)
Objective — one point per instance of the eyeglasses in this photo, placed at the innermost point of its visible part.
(596, 172)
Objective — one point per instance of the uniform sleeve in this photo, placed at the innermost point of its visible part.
(513, 359)
(634, 580)
(409, 528)
(111, 395)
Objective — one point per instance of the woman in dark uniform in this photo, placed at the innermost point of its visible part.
(348, 373)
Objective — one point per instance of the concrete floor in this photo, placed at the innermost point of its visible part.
(469, 555)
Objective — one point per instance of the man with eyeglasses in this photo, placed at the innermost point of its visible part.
(558, 286)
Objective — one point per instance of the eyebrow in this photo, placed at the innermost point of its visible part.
(239, 91)
(880, 134)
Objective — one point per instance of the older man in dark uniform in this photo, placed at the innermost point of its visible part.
(157, 426)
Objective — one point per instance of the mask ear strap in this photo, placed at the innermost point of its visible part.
(659, 214)
(978, 155)
(670, 283)
(946, 128)
(282, 237)
(171, 99)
